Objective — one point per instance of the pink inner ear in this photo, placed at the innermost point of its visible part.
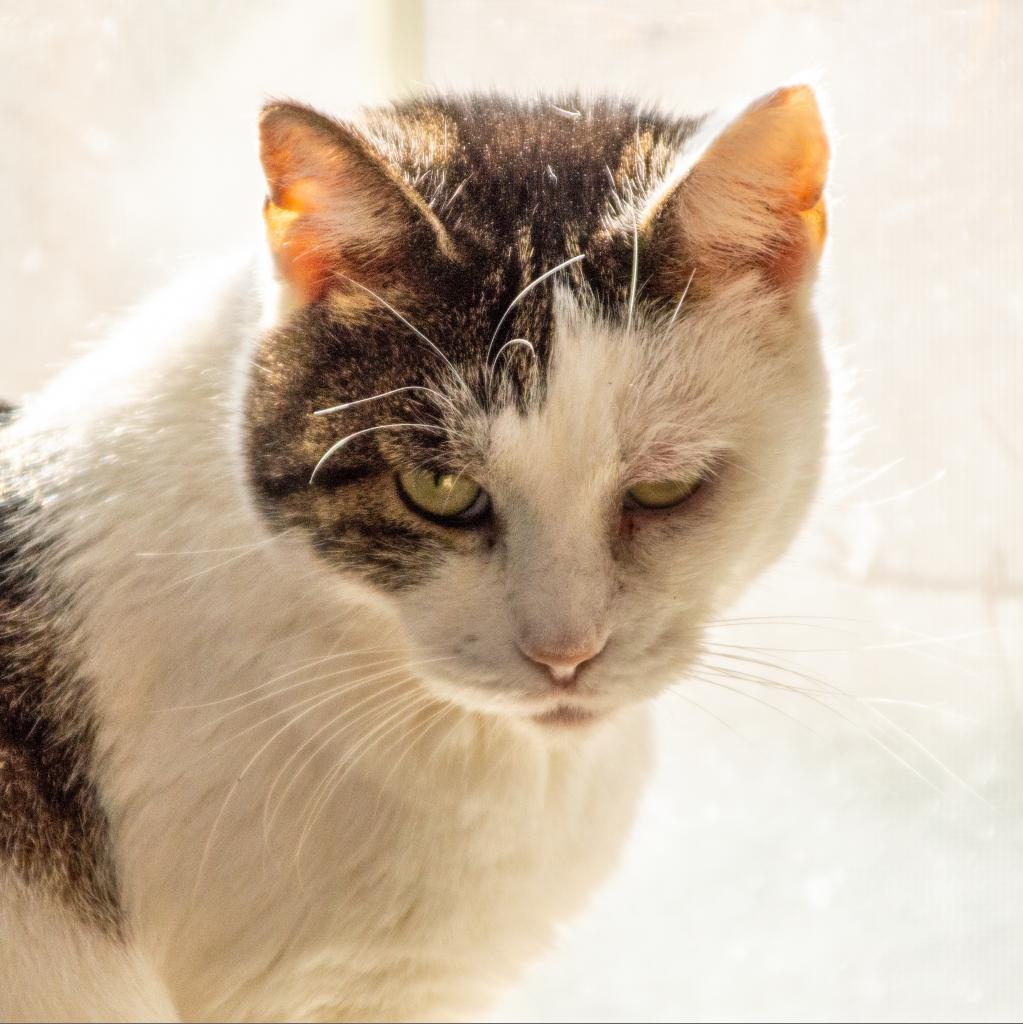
(756, 195)
(336, 208)
(324, 210)
(302, 255)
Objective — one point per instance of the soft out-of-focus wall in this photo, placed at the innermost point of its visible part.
(851, 851)
(130, 142)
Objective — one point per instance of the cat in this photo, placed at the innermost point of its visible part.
(335, 584)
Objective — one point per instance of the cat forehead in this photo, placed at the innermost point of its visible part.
(619, 402)
(562, 162)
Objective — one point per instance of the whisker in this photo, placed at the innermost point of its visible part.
(337, 691)
(685, 292)
(525, 291)
(446, 708)
(415, 330)
(333, 780)
(832, 690)
(220, 565)
(910, 645)
(634, 280)
(207, 551)
(433, 392)
(392, 664)
(454, 195)
(277, 679)
(208, 846)
(333, 695)
(749, 696)
(268, 817)
(717, 718)
(869, 478)
(891, 499)
(508, 344)
(338, 445)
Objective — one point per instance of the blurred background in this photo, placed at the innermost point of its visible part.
(835, 829)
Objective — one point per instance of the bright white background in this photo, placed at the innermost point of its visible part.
(818, 855)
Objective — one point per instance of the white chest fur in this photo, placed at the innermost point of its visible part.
(435, 870)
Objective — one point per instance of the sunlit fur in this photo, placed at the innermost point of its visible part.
(334, 800)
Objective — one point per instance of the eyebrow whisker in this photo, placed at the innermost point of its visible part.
(635, 275)
(685, 292)
(525, 291)
(385, 394)
(412, 327)
(338, 445)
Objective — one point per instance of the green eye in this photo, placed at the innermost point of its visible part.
(446, 496)
(663, 493)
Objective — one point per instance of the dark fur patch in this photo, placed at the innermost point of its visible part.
(53, 830)
(519, 188)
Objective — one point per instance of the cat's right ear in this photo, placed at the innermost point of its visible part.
(336, 211)
(750, 198)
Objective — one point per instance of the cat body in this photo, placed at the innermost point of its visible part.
(280, 743)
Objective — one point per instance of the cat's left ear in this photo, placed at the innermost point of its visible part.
(336, 210)
(753, 197)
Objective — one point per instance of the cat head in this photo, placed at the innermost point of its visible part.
(544, 382)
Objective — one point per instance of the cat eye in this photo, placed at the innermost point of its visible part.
(658, 494)
(449, 498)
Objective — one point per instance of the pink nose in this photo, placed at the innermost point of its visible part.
(563, 662)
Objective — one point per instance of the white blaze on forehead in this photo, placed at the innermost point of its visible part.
(619, 406)
(563, 458)
(557, 473)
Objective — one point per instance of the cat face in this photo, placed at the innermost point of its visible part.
(545, 383)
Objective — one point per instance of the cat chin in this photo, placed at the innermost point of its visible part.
(536, 713)
(562, 725)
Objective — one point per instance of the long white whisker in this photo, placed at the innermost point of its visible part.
(392, 664)
(219, 565)
(634, 280)
(337, 691)
(397, 652)
(333, 780)
(338, 445)
(234, 787)
(386, 394)
(749, 696)
(508, 344)
(834, 691)
(717, 718)
(268, 817)
(435, 717)
(412, 327)
(207, 551)
(685, 292)
(525, 291)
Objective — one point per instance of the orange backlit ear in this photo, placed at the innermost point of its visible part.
(336, 209)
(755, 196)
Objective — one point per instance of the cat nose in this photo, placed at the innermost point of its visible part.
(563, 661)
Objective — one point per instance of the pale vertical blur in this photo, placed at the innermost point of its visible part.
(870, 862)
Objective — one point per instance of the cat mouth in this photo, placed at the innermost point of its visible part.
(567, 716)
